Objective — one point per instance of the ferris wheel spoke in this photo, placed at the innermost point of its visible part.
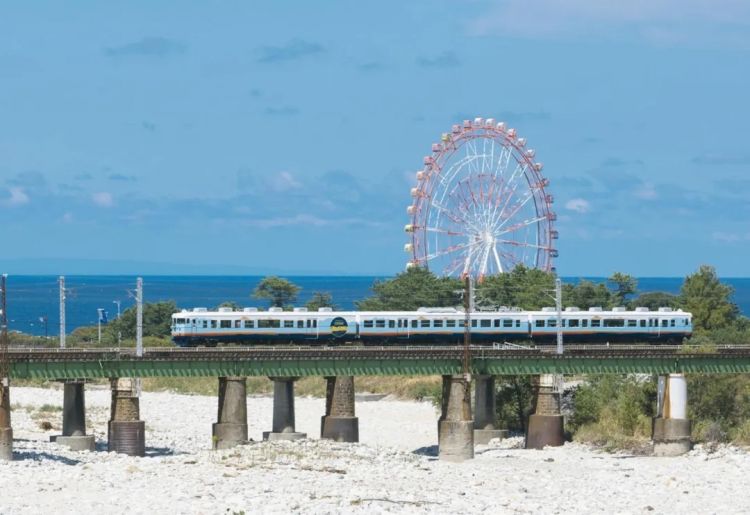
(528, 196)
(523, 244)
(521, 225)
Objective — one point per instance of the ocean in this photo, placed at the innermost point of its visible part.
(33, 301)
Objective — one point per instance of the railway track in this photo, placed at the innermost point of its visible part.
(348, 353)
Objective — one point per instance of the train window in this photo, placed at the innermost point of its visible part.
(213, 324)
(437, 323)
(424, 323)
(391, 323)
(485, 323)
(414, 324)
(269, 323)
(405, 323)
(315, 323)
(496, 322)
(643, 323)
(665, 323)
(473, 323)
(450, 323)
(507, 322)
(288, 323)
(226, 324)
(584, 323)
(205, 324)
(596, 323)
(249, 324)
(672, 322)
(399, 322)
(237, 324)
(539, 323)
(685, 321)
(380, 323)
(632, 323)
(614, 322)
(367, 323)
(462, 323)
(300, 324)
(574, 322)
(552, 322)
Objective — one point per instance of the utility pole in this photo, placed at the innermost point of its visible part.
(6, 431)
(4, 363)
(468, 306)
(61, 282)
(139, 317)
(117, 303)
(558, 305)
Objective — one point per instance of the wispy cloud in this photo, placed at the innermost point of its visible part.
(444, 60)
(578, 205)
(721, 160)
(121, 177)
(281, 111)
(284, 181)
(147, 47)
(102, 199)
(292, 51)
(18, 197)
(662, 22)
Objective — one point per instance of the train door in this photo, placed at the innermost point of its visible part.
(402, 328)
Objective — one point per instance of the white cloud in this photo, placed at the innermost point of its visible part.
(578, 205)
(67, 217)
(665, 22)
(646, 191)
(285, 181)
(102, 199)
(730, 237)
(18, 197)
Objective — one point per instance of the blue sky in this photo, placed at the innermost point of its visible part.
(285, 138)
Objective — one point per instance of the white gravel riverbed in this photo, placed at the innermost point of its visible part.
(383, 473)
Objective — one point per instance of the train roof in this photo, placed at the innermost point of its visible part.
(505, 312)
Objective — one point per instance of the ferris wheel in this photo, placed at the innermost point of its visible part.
(480, 206)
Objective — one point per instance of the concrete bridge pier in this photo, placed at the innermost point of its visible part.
(283, 411)
(456, 427)
(127, 433)
(230, 428)
(74, 419)
(546, 424)
(671, 427)
(485, 411)
(340, 423)
(6, 431)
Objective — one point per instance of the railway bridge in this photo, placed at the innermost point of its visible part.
(461, 425)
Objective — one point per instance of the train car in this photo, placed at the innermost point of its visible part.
(426, 326)
(617, 325)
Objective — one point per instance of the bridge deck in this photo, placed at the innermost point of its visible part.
(321, 361)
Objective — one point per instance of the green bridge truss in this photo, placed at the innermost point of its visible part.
(84, 364)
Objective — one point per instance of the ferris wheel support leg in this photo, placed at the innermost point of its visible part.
(545, 426)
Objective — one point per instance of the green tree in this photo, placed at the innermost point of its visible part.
(588, 294)
(708, 299)
(157, 320)
(410, 290)
(526, 288)
(230, 304)
(624, 286)
(654, 300)
(320, 299)
(279, 291)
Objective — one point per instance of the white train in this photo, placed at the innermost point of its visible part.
(426, 326)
